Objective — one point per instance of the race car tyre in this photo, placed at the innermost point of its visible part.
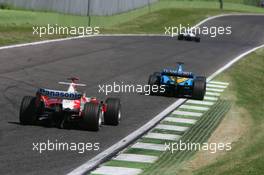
(180, 37)
(188, 38)
(197, 39)
(199, 88)
(112, 115)
(158, 74)
(27, 114)
(154, 80)
(91, 117)
(63, 121)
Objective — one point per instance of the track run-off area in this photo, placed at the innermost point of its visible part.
(102, 60)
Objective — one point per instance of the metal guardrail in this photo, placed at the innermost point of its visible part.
(80, 7)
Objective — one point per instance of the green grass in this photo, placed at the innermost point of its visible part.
(175, 123)
(142, 151)
(167, 132)
(127, 164)
(156, 141)
(16, 25)
(247, 155)
(184, 116)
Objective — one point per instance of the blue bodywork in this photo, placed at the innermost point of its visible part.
(177, 80)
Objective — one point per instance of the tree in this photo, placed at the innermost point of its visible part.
(221, 4)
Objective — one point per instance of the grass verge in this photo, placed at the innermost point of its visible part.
(246, 93)
(16, 25)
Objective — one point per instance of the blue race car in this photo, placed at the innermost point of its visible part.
(178, 83)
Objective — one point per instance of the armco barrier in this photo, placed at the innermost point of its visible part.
(80, 7)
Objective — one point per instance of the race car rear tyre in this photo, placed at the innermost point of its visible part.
(91, 117)
(27, 113)
(188, 38)
(158, 74)
(197, 39)
(199, 88)
(112, 115)
(153, 80)
(180, 37)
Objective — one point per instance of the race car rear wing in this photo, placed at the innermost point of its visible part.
(59, 94)
(75, 84)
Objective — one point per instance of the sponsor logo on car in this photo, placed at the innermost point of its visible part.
(59, 94)
(177, 73)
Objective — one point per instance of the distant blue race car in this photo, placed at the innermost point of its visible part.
(178, 83)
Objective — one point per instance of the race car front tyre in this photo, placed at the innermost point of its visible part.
(199, 88)
(27, 114)
(91, 117)
(112, 115)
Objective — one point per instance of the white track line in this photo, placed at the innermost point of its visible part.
(216, 86)
(160, 136)
(198, 102)
(43, 42)
(186, 113)
(149, 146)
(77, 37)
(212, 94)
(210, 98)
(111, 170)
(225, 15)
(214, 90)
(218, 82)
(95, 161)
(171, 127)
(136, 158)
(180, 120)
(198, 108)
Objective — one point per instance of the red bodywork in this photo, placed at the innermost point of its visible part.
(52, 102)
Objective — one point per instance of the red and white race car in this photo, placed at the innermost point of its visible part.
(63, 108)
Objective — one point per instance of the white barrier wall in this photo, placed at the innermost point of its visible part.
(80, 7)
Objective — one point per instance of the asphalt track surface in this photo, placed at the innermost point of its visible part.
(102, 60)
